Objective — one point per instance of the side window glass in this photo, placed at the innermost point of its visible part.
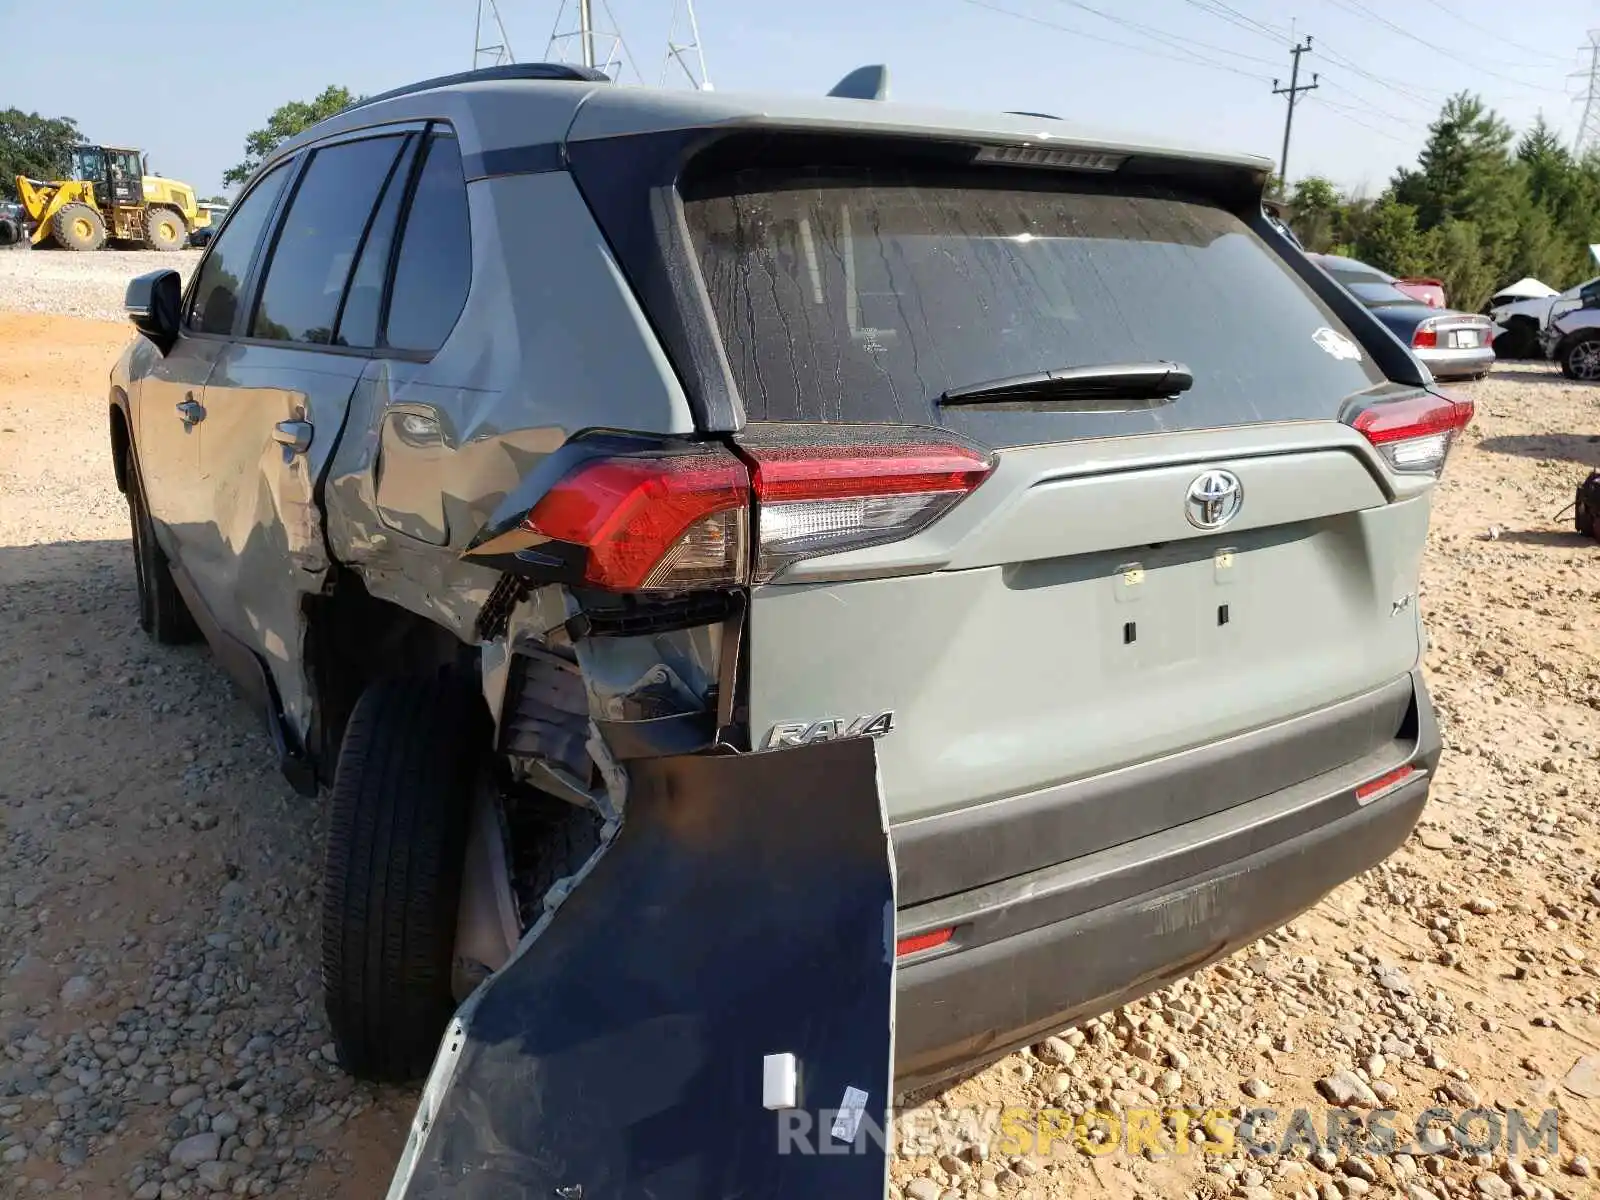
(435, 262)
(317, 241)
(216, 293)
(358, 321)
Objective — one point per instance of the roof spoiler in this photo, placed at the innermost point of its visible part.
(864, 83)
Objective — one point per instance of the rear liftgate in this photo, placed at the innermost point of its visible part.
(709, 1013)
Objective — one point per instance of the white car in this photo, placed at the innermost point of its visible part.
(1522, 311)
(1571, 339)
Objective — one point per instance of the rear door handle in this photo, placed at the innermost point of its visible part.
(293, 436)
(190, 413)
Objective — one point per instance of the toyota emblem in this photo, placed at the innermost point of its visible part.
(1214, 499)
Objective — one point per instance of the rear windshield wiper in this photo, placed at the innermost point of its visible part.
(1107, 386)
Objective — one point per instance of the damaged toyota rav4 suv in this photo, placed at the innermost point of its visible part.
(520, 436)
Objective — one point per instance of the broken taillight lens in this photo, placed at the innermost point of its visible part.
(1415, 434)
(850, 489)
(670, 522)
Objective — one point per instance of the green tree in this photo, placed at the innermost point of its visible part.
(289, 120)
(1464, 170)
(33, 145)
(1390, 240)
(1458, 258)
(1315, 204)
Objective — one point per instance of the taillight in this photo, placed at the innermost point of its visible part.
(668, 522)
(848, 489)
(1425, 336)
(678, 520)
(1415, 434)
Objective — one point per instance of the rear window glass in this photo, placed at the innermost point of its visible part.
(865, 298)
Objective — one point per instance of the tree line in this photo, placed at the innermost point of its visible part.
(1481, 208)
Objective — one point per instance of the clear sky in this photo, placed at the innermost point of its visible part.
(190, 92)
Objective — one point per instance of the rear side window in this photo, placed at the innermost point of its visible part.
(216, 292)
(435, 263)
(363, 303)
(318, 240)
(864, 298)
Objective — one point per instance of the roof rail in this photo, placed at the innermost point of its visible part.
(548, 71)
(864, 83)
(1046, 116)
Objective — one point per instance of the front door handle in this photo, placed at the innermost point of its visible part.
(190, 413)
(293, 436)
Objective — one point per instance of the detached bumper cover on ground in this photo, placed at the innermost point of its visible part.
(745, 908)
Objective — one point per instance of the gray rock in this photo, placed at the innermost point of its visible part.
(1256, 1089)
(78, 991)
(923, 1188)
(1055, 1050)
(1492, 1186)
(148, 1190)
(225, 1123)
(1583, 1079)
(186, 1094)
(216, 1176)
(192, 1151)
(1345, 1089)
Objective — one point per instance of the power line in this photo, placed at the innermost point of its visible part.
(1371, 108)
(1191, 59)
(1359, 9)
(1234, 17)
(1497, 34)
(1353, 116)
(1150, 31)
(1293, 93)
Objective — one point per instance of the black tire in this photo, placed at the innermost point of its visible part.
(162, 613)
(412, 755)
(10, 232)
(1520, 340)
(78, 227)
(1580, 358)
(165, 229)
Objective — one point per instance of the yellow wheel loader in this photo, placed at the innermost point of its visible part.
(109, 195)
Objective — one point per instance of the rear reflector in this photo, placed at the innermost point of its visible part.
(1415, 434)
(922, 941)
(1383, 783)
(653, 523)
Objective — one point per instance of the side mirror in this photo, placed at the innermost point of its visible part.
(153, 304)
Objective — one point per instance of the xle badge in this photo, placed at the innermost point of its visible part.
(829, 729)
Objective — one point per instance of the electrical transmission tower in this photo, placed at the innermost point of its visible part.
(596, 46)
(1588, 138)
(490, 46)
(680, 52)
(1293, 92)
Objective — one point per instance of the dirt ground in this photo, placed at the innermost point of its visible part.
(159, 1018)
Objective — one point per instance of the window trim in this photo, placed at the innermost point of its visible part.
(408, 141)
(294, 165)
(262, 268)
(418, 163)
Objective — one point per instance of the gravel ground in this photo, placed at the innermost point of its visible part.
(159, 1018)
(79, 285)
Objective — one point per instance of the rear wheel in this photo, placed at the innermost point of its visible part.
(1581, 359)
(162, 612)
(165, 229)
(402, 794)
(78, 227)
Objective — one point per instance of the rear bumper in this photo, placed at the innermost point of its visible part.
(1457, 364)
(1032, 955)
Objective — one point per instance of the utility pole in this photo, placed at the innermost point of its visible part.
(487, 51)
(1588, 138)
(586, 31)
(1293, 92)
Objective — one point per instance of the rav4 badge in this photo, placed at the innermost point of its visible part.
(829, 729)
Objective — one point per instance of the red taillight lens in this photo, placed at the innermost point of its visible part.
(1369, 790)
(1425, 337)
(1415, 434)
(657, 523)
(823, 499)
